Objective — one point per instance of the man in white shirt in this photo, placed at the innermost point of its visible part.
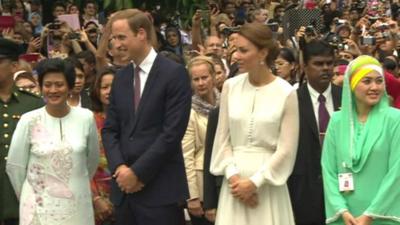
(147, 117)
(318, 99)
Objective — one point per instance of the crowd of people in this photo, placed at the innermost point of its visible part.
(253, 112)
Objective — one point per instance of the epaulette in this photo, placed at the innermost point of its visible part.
(30, 92)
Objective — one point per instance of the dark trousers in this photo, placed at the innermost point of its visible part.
(132, 213)
(9, 222)
(200, 220)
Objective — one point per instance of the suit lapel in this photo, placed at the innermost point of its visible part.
(127, 85)
(151, 80)
(308, 109)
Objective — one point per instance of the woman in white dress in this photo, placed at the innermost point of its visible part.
(256, 140)
(53, 154)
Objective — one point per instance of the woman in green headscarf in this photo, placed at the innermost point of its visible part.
(361, 154)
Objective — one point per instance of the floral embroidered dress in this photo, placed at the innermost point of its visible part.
(102, 178)
(50, 164)
(101, 182)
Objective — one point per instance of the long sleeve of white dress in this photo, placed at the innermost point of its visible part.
(222, 161)
(18, 155)
(279, 167)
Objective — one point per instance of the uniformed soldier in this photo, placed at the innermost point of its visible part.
(13, 103)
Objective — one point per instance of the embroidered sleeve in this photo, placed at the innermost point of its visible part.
(18, 155)
(93, 150)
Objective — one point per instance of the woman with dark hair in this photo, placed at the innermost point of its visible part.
(220, 72)
(286, 66)
(54, 154)
(93, 32)
(78, 96)
(101, 181)
(36, 20)
(254, 146)
(173, 41)
(391, 64)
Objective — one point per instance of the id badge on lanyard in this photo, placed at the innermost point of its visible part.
(346, 182)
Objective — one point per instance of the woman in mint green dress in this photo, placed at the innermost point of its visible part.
(361, 154)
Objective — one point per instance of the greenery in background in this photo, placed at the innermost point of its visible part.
(180, 10)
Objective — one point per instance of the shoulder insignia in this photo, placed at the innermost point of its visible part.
(30, 92)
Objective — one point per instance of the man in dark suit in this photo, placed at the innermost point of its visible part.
(212, 183)
(318, 99)
(147, 117)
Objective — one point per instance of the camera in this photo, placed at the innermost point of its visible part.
(310, 31)
(361, 4)
(230, 30)
(339, 22)
(387, 36)
(373, 19)
(342, 46)
(74, 36)
(55, 26)
(383, 26)
(273, 26)
(335, 41)
(368, 40)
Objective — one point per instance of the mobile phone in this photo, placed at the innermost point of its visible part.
(205, 14)
(273, 26)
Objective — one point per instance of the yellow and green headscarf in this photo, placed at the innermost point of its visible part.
(355, 150)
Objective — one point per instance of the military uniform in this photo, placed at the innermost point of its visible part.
(21, 101)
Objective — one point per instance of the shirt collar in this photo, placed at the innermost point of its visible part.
(315, 94)
(147, 63)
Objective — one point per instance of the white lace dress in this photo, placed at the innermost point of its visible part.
(257, 138)
(50, 163)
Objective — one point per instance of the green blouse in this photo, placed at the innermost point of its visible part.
(376, 182)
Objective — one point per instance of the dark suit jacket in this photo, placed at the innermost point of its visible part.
(212, 184)
(149, 140)
(305, 183)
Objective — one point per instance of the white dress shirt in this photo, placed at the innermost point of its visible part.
(314, 99)
(145, 68)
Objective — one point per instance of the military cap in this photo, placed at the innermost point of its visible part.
(9, 49)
